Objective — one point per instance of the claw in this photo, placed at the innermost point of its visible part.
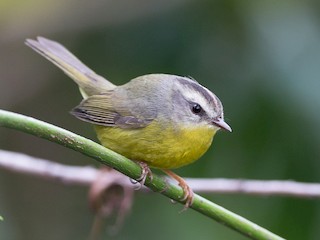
(188, 194)
(145, 172)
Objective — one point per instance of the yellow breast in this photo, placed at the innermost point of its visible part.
(160, 147)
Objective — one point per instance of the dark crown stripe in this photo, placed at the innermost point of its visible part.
(198, 88)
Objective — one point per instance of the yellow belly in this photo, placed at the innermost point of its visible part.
(159, 147)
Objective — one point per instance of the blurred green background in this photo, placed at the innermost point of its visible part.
(262, 58)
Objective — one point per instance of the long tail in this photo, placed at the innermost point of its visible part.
(88, 81)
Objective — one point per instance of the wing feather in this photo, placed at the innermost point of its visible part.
(101, 110)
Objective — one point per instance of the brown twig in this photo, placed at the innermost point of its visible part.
(86, 175)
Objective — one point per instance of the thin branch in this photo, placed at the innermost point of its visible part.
(71, 175)
(131, 169)
(256, 187)
(86, 175)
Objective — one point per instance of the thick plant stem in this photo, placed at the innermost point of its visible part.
(132, 170)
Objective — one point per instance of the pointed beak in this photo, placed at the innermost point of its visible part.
(222, 124)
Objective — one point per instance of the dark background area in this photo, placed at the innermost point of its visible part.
(261, 58)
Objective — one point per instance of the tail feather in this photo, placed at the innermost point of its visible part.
(89, 82)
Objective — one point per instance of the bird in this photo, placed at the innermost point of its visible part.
(159, 120)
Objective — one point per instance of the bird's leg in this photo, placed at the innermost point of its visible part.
(188, 193)
(145, 172)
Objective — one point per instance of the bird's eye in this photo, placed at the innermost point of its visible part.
(196, 108)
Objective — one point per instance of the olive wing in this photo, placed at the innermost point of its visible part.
(106, 110)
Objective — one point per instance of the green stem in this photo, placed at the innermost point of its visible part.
(132, 170)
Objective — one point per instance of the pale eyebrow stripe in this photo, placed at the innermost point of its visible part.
(198, 88)
(209, 96)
